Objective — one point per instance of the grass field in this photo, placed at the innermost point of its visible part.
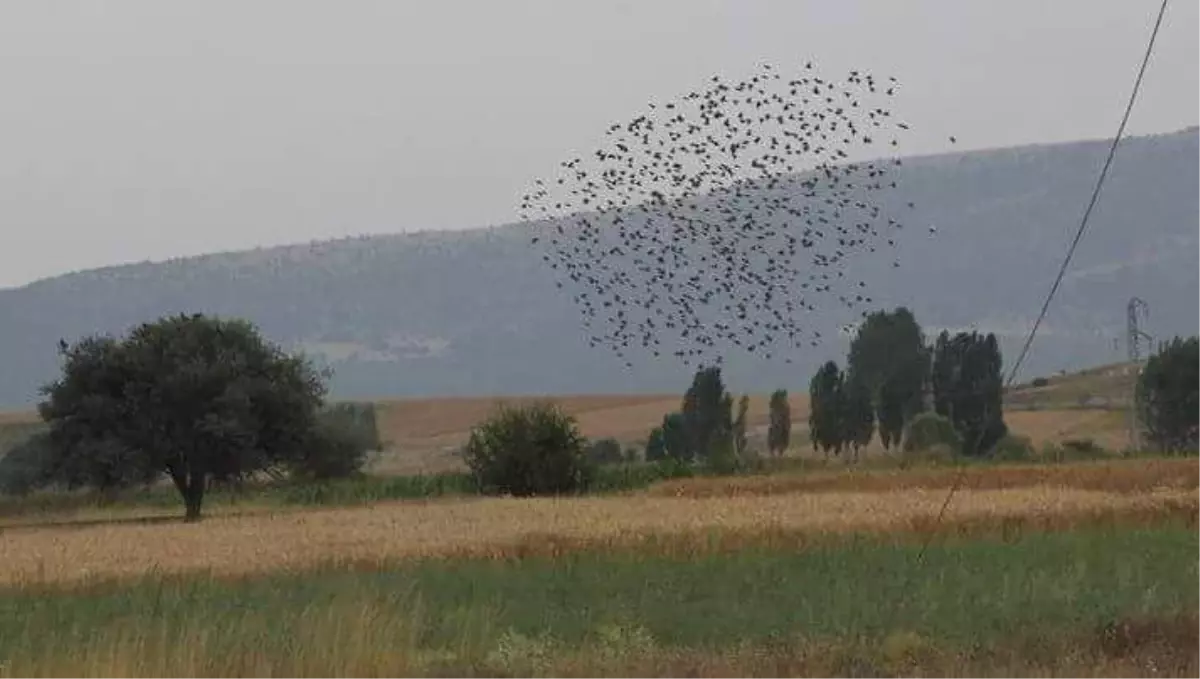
(1081, 569)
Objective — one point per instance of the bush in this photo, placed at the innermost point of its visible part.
(26, 467)
(1013, 448)
(933, 456)
(656, 447)
(1084, 448)
(604, 451)
(337, 448)
(723, 458)
(632, 454)
(356, 416)
(528, 450)
(1073, 449)
(928, 430)
(1040, 382)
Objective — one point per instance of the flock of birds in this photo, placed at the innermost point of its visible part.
(725, 217)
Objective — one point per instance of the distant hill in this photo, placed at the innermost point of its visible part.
(476, 312)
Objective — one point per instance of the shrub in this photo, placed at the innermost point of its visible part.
(1073, 449)
(1013, 448)
(1083, 449)
(359, 417)
(336, 448)
(26, 467)
(723, 458)
(933, 456)
(928, 430)
(604, 451)
(632, 454)
(656, 447)
(528, 450)
(1040, 382)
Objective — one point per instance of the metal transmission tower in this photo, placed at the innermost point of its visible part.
(1133, 340)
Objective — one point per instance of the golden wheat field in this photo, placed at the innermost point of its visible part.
(370, 536)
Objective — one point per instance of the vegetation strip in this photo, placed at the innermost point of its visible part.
(234, 546)
(1094, 596)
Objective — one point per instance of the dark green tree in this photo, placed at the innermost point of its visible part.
(1167, 401)
(528, 450)
(858, 413)
(890, 413)
(889, 355)
(779, 432)
(656, 448)
(345, 433)
(968, 388)
(201, 399)
(942, 373)
(605, 451)
(707, 413)
(740, 424)
(826, 427)
(675, 440)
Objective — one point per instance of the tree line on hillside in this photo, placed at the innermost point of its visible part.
(202, 400)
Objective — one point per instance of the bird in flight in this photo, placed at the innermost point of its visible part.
(726, 219)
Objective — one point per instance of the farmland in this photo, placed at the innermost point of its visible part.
(424, 433)
(800, 566)
(1084, 568)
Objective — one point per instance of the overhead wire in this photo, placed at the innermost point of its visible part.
(1083, 224)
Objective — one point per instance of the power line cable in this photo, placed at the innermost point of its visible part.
(1112, 150)
(1066, 262)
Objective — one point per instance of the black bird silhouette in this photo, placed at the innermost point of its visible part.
(724, 217)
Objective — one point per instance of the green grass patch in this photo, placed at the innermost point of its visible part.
(964, 592)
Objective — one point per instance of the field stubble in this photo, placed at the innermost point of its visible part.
(695, 514)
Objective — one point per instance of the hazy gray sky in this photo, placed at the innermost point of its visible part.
(139, 130)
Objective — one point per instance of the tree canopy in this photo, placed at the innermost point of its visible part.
(889, 357)
(195, 397)
(826, 424)
(1167, 402)
(968, 388)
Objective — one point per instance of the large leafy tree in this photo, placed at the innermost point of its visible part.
(194, 397)
(968, 388)
(1167, 402)
(707, 413)
(888, 354)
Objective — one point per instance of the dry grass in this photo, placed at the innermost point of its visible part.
(1105, 427)
(1117, 476)
(18, 417)
(241, 545)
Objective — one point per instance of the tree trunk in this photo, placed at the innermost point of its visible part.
(190, 484)
(194, 496)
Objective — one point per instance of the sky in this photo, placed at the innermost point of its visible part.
(142, 129)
